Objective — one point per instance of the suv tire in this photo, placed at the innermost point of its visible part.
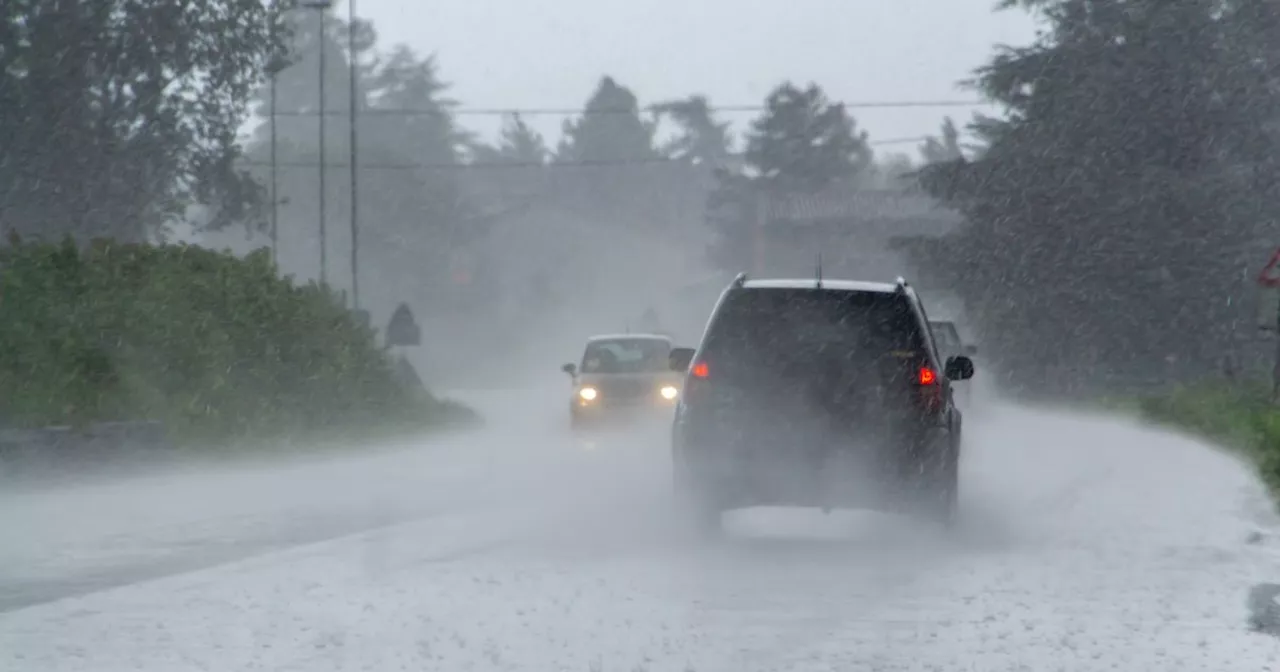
(706, 518)
(942, 489)
(696, 506)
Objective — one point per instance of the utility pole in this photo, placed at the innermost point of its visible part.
(323, 242)
(275, 193)
(355, 182)
(320, 6)
(274, 65)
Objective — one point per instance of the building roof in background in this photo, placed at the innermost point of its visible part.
(675, 193)
(868, 213)
(671, 190)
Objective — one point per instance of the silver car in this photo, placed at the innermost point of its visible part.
(622, 377)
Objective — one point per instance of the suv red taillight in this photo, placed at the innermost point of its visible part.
(696, 385)
(930, 389)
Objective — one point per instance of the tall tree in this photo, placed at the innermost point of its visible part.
(804, 142)
(801, 144)
(1110, 214)
(119, 114)
(702, 138)
(986, 131)
(415, 113)
(945, 147)
(610, 129)
(426, 211)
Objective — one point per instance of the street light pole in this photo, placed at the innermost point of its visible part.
(355, 191)
(275, 193)
(320, 6)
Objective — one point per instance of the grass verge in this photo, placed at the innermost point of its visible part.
(1240, 416)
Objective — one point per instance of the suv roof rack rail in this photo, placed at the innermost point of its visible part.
(740, 280)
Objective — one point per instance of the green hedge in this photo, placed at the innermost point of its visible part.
(1240, 416)
(218, 348)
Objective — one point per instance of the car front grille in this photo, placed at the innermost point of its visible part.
(626, 391)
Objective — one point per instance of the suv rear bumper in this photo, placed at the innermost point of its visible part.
(888, 474)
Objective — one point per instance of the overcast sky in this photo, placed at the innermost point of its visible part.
(550, 54)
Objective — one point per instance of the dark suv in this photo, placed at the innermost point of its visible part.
(819, 393)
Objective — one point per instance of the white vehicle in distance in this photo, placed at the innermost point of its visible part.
(622, 377)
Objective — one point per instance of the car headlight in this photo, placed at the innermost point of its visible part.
(669, 392)
(588, 393)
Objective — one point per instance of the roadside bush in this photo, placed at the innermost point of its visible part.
(1241, 416)
(218, 348)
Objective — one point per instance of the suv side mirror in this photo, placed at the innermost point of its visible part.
(970, 349)
(679, 359)
(959, 368)
(569, 368)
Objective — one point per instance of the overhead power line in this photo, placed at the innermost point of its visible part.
(524, 164)
(578, 111)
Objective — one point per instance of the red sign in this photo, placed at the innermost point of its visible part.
(1270, 275)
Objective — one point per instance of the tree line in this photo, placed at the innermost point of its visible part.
(159, 137)
(124, 149)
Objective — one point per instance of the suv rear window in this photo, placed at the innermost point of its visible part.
(755, 321)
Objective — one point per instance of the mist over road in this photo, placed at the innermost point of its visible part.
(60, 542)
(1088, 543)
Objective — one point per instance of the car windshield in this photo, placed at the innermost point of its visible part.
(626, 355)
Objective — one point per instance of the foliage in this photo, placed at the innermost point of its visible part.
(517, 145)
(1240, 416)
(425, 213)
(419, 118)
(120, 113)
(945, 147)
(702, 137)
(215, 347)
(800, 144)
(1109, 216)
(610, 128)
(803, 142)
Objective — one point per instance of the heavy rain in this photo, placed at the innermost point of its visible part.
(593, 336)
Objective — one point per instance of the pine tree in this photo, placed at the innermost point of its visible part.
(702, 138)
(803, 142)
(610, 129)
